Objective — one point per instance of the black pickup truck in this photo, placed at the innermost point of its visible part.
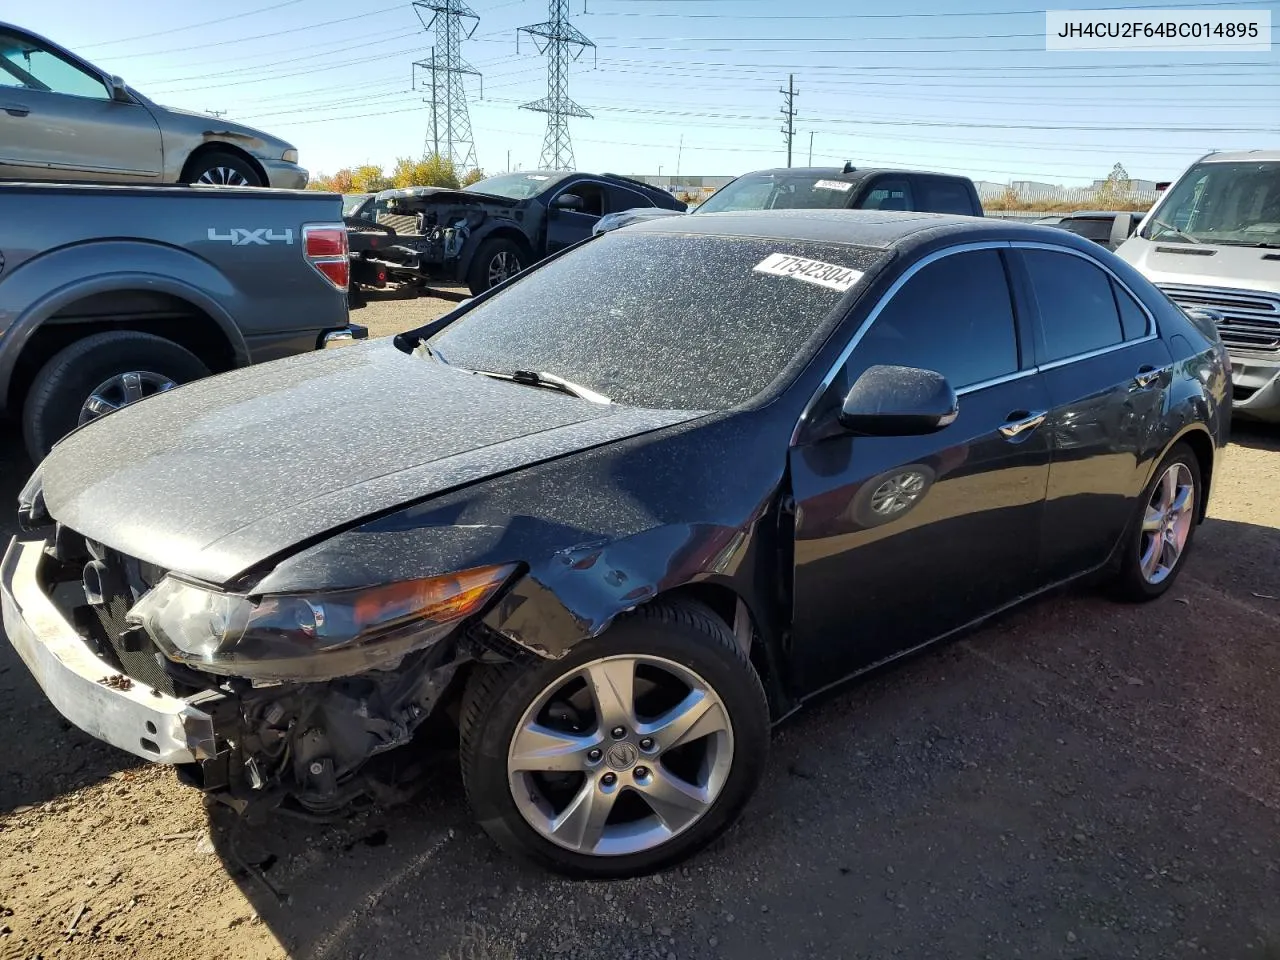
(483, 234)
(109, 294)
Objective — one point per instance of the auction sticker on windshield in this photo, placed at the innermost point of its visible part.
(841, 185)
(828, 275)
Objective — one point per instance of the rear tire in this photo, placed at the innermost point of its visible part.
(1159, 537)
(63, 387)
(497, 259)
(505, 704)
(222, 169)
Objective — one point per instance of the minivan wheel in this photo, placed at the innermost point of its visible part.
(97, 375)
(1160, 534)
(639, 747)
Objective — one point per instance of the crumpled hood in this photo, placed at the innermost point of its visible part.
(223, 474)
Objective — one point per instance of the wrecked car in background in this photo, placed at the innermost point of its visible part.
(491, 230)
(600, 536)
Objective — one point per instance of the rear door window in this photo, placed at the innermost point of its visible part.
(941, 195)
(620, 198)
(887, 194)
(1091, 228)
(1078, 312)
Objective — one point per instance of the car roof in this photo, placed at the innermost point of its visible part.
(1241, 156)
(838, 173)
(865, 228)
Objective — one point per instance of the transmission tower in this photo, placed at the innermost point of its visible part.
(562, 42)
(450, 133)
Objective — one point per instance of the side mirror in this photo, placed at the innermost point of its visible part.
(569, 201)
(119, 91)
(889, 401)
(1121, 229)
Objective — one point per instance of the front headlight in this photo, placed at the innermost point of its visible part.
(290, 156)
(310, 636)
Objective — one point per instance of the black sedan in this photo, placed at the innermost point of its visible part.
(606, 528)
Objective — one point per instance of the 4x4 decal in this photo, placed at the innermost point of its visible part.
(242, 237)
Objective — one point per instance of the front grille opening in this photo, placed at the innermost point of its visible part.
(1250, 320)
(104, 624)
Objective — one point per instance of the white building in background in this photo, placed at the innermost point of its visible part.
(1134, 186)
(1035, 190)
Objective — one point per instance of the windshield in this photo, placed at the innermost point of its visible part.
(662, 320)
(352, 201)
(1229, 203)
(515, 186)
(768, 191)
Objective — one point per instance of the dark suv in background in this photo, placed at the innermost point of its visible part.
(829, 188)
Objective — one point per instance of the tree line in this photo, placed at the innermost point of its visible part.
(431, 170)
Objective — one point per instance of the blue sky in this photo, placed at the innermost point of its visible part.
(956, 85)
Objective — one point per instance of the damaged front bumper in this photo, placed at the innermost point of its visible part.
(90, 693)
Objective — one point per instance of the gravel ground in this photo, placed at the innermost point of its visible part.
(1078, 779)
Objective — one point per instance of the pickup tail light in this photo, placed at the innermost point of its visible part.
(325, 247)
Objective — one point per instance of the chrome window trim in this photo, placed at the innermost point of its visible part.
(1053, 248)
(996, 381)
(1151, 334)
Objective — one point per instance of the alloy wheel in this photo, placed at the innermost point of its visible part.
(224, 177)
(620, 755)
(122, 390)
(503, 266)
(1166, 523)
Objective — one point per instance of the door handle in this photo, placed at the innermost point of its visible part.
(15, 109)
(1147, 375)
(1020, 421)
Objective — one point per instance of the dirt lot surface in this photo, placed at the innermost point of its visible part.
(1079, 779)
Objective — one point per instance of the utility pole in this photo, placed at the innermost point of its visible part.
(217, 113)
(679, 153)
(562, 42)
(811, 148)
(448, 94)
(789, 113)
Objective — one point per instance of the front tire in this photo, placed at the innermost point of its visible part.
(1159, 536)
(222, 170)
(96, 375)
(639, 747)
(497, 260)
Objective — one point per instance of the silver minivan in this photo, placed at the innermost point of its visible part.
(63, 119)
(1212, 241)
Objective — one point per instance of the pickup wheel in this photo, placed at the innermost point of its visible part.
(495, 261)
(99, 374)
(222, 169)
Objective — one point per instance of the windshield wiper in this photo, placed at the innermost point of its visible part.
(1169, 226)
(548, 381)
(1264, 244)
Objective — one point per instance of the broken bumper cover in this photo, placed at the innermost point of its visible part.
(146, 723)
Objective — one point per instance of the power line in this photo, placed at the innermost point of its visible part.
(273, 58)
(190, 26)
(928, 15)
(265, 36)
